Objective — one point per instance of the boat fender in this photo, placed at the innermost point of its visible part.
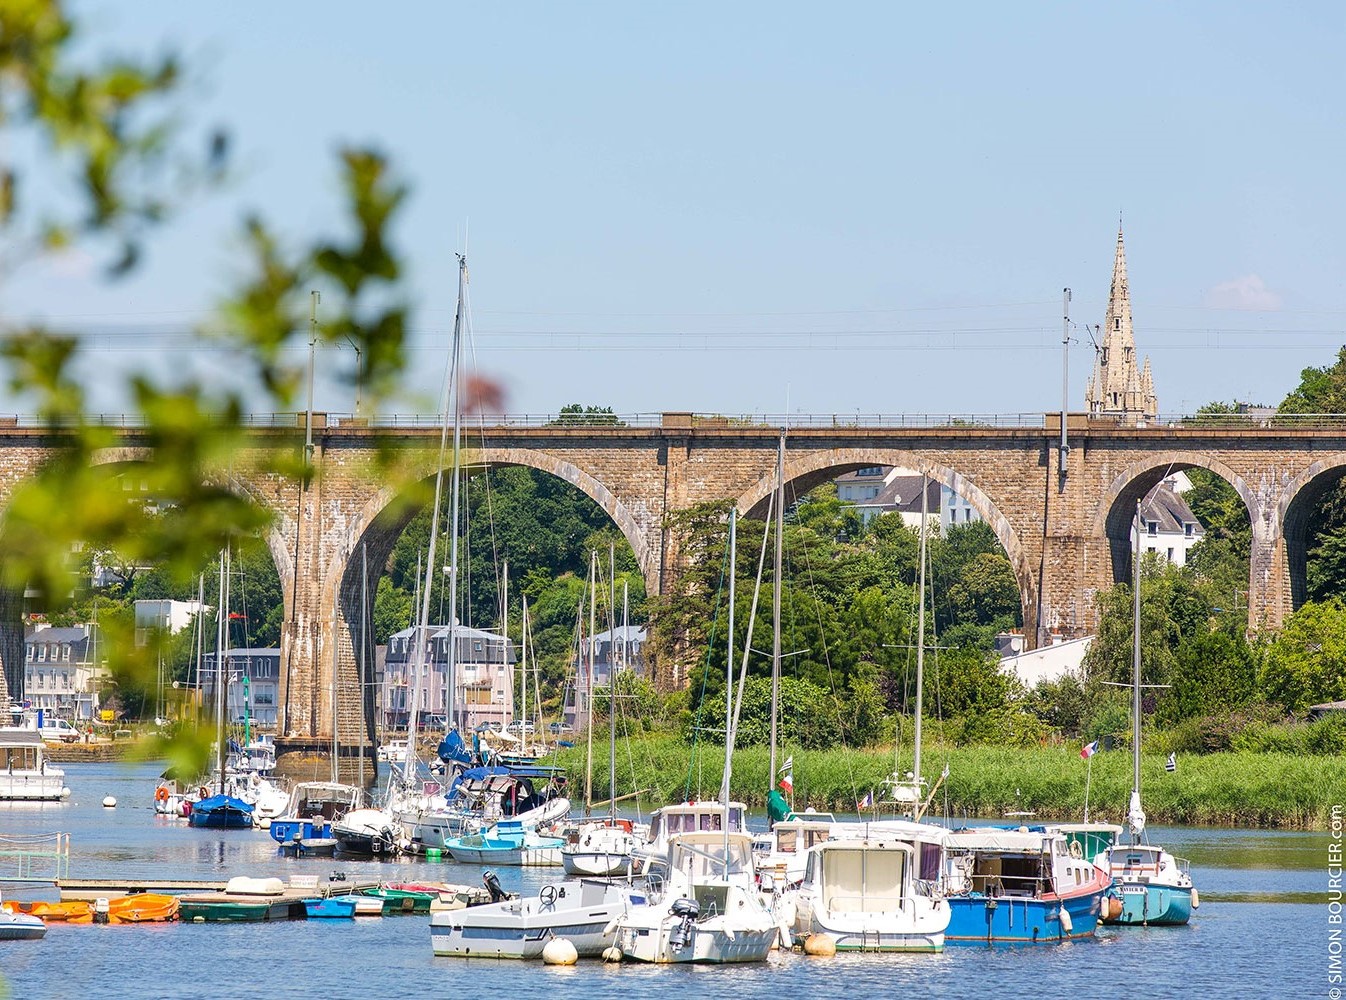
(613, 954)
(161, 794)
(559, 951)
(820, 946)
(610, 928)
(1067, 925)
(1196, 899)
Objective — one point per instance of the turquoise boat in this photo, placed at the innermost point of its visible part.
(331, 908)
(402, 900)
(508, 844)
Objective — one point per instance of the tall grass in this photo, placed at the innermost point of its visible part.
(1220, 789)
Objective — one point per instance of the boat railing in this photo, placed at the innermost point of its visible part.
(1184, 866)
(43, 857)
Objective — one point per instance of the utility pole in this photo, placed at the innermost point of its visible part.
(1065, 386)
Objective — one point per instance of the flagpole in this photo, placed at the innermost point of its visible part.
(1088, 776)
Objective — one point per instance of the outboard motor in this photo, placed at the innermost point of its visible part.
(688, 911)
(492, 883)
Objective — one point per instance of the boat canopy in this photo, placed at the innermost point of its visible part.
(993, 839)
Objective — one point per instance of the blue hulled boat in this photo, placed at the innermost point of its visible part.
(506, 843)
(221, 812)
(1020, 886)
(331, 908)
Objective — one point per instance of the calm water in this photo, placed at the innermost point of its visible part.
(1261, 931)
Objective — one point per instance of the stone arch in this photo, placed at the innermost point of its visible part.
(808, 471)
(1117, 507)
(1290, 526)
(386, 499)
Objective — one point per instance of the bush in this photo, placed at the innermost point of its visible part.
(1011, 727)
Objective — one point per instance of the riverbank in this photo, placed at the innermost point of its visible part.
(1244, 790)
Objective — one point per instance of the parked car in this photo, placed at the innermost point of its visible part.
(520, 726)
(556, 728)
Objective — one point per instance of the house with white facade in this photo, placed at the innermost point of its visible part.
(885, 489)
(167, 616)
(1168, 526)
(483, 677)
(62, 670)
(252, 684)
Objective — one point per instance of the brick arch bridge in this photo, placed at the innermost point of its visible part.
(1066, 538)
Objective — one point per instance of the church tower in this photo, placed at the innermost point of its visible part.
(1120, 386)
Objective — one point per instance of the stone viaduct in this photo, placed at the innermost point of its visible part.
(1066, 536)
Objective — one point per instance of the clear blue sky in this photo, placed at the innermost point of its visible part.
(714, 207)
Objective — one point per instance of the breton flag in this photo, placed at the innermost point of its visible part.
(1171, 764)
(1089, 750)
(868, 801)
(787, 775)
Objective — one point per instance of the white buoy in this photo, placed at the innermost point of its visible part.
(109, 802)
(613, 954)
(820, 946)
(560, 951)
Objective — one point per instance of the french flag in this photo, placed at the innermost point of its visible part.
(1089, 750)
(787, 772)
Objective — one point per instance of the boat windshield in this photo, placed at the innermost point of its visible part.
(706, 859)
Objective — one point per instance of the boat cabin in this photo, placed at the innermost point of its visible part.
(695, 817)
(861, 876)
(1143, 863)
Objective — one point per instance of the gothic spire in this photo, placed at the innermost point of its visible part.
(1120, 386)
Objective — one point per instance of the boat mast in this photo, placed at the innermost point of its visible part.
(505, 668)
(612, 680)
(729, 689)
(626, 653)
(589, 690)
(453, 493)
(1135, 815)
(775, 600)
(200, 638)
(335, 601)
(364, 637)
(523, 651)
(221, 636)
(920, 632)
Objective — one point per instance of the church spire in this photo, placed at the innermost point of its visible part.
(1120, 386)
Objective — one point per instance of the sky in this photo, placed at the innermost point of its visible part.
(766, 208)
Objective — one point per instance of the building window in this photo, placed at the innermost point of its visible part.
(1170, 555)
(1154, 527)
(1187, 529)
(1117, 323)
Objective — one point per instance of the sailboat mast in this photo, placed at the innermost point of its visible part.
(1135, 664)
(451, 674)
(612, 681)
(505, 669)
(221, 637)
(775, 600)
(364, 637)
(729, 689)
(200, 637)
(920, 630)
(523, 652)
(589, 692)
(335, 661)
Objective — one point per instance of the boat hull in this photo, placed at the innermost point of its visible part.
(21, 927)
(708, 942)
(594, 864)
(1152, 905)
(978, 919)
(213, 909)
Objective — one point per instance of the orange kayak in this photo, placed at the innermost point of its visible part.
(142, 907)
(74, 912)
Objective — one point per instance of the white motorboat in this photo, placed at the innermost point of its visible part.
(25, 775)
(866, 895)
(707, 907)
(600, 849)
(688, 817)
(585, 913)
(367, 831)
(20, 926)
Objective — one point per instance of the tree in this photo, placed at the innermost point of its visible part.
(1320, 390)
(1306, 661)
(578, 415)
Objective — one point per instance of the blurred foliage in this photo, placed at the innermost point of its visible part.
(115, 141)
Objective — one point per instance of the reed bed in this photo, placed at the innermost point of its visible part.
(1262, 790)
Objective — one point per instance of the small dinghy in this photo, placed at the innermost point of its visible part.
(331, 908)
(142, 908)
(74, 912)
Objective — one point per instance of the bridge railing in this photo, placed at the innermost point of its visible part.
(1036, 420)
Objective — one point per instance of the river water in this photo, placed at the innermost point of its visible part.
(1263, 930)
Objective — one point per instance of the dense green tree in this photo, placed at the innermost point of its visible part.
(1306, 661)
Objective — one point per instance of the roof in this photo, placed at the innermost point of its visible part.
(442, 632)
(995, 839)
(69, 633)
(627, 633)
(1164, 506)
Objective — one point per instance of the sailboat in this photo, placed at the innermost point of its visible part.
(604, 848)
(1154, 886)
(222, 810)
(708, 907)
